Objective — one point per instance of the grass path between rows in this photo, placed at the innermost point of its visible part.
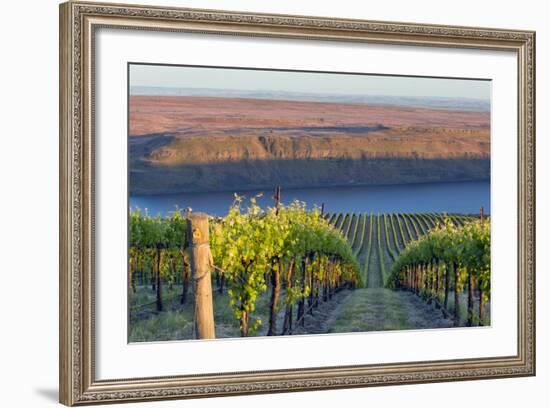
(374, 272)
(377, 309)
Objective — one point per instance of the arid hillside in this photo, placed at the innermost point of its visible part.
(185, 144)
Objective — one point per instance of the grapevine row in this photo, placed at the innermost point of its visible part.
(392, 254)
(357, 219)
(369, 250)
(362, 235)
(380, 254)
(295, 246)
(449, 258)
(281, 248)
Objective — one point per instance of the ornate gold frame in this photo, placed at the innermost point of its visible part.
(78, 22)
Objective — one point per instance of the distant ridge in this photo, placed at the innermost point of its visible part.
(463, 104)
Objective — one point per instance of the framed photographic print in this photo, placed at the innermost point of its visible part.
(258, 203)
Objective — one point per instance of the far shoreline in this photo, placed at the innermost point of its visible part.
(302, 187)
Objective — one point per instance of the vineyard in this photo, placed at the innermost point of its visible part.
(287, 270)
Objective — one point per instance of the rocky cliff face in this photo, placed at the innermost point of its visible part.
(265, 174)
(193, 164)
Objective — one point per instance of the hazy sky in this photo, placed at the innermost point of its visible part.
(309, 82)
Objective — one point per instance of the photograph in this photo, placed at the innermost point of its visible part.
(266, 202)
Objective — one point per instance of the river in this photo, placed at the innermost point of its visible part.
(457, 197)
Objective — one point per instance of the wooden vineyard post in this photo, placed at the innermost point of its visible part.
(311, 291)
(457, 297)
(201, 262)
(275, 276)
(437, 283)
(276, 288)
(185, 276)
(417, 279)
(481, 307)
(423, 275)
(447, 284)
(159, 279)
(277, 198)
(131, 287)
(471, 297)
(431, 282)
